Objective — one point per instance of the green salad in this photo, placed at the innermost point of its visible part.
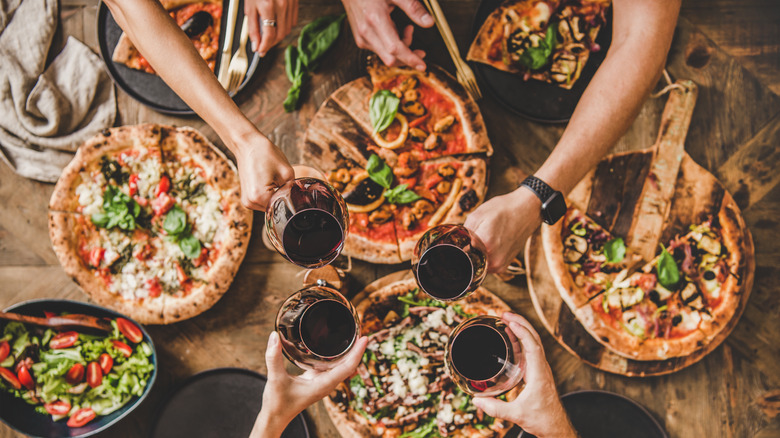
(74, 375)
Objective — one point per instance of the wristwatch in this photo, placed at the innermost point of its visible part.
(553, 204)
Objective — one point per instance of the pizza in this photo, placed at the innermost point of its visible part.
(200, 20)
(546, 40)
(428, 166)
(147, 220)
(668, 307)
(401, 386)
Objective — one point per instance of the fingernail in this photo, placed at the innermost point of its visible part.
(254, 46)
(427, 20)
(261, 54)
(420, 67)
(273, 339)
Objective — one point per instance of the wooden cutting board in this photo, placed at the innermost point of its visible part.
(630, 194)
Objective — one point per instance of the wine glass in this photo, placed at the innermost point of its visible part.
(307, 222)
(449, 262)
(317, 326)
(484, 357)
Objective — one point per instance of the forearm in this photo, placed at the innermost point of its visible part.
(268, 425)
(178, 63)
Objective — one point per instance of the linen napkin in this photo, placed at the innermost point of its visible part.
(46, 112)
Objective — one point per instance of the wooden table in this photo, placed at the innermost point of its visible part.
(734, 133)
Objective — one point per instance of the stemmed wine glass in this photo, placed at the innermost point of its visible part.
(484, 357)
(307, 222)
(317, 326)
(449, 262)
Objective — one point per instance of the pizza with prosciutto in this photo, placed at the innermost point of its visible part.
(147, 220)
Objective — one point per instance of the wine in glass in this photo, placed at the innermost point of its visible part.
(317, 326)
(307, 222)
(483, 356)
(449, 262)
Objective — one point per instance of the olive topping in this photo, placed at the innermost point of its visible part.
(197, 24)
(655, 297)
(677, 319)
(709, 275)
(364, 193)
(468, 200)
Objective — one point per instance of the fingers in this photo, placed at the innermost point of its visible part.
(510, 317)
(285, 174)
(416, 12)
(348, 364)
(254, 29)
(494, 407)
(268, 33)
(274, 360)
(256, 197)
(537, 370)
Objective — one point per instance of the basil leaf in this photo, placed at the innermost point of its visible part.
(175, 221)
(615, 250)
(401, 195)
(379, 171)
(382, 109)
(100, 219)
(317, 37)
(535, 58)
(118, 210)
(666, 267)
(190, 246)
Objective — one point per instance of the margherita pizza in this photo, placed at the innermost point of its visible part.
(148, 220)
(547, 40)
(402, 386)
(426, 166)
(199, 19)
(672, 306)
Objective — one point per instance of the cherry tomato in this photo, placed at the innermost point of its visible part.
(25, 378)
(181, 274)
(132, 185)
(81, 417)
(155, 290)
(130, 330)
(49, 314)
(96, 255)
(5, 349)
(58, 407)
(123, 348)
(75, 374)
(94, 374)
(162, 204)
(10, 377)
(64, 340)
(202, 258)
(164, 186)
(143, 202)
(106, 362)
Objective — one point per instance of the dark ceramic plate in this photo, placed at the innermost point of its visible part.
(534, 99)
(23, 418)
(149, 89)
(598, 414)
(219, 403)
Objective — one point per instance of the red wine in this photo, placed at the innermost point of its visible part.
(445, 271)
(479, 353)
(327, 328)
(311, 236)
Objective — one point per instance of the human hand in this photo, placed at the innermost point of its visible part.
(374, 30)
(537, 409)
(504, 223)
(262, 168)
(283, 12)
(285, 396)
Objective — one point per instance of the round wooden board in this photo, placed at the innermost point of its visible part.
(685, 209)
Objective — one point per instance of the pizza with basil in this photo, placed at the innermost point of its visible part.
(407, 150)
(147, 220)
(200, 20)
(668, 307)
(546, 40)
(402, 388)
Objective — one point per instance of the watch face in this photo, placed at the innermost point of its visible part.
(554, 208)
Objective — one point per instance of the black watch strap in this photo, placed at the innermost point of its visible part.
(539, 187)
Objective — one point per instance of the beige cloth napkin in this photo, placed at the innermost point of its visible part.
(46, 112)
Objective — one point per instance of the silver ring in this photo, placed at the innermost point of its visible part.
(269, 23)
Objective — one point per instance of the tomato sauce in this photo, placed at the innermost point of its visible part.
(359, 224)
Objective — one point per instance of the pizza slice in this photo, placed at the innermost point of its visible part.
(200, 20)
(547, 40)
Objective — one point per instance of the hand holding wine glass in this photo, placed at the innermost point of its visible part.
(285, 396)
(538, 409)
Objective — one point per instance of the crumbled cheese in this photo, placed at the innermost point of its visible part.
(690, 320)
(445, 414)
(90, 196)
(149, 173)
(397, 385)
(387, 348)
(207, 216)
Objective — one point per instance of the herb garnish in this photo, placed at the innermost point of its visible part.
(668, 273)
(382, 109)
(615, 250)
(119, 210)
(535, 58)
(175, 224)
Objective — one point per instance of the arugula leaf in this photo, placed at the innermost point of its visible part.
(423, 431)
(535, 58)
(317, 37)
(175, 222)
(666, 267)
(118, 210)
(401, 195)
(190, 246)
(379, 171)
(382, 109)
(615, 250)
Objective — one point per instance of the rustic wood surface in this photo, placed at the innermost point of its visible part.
(729, 48)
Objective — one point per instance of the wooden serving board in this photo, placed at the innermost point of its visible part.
(626, 195)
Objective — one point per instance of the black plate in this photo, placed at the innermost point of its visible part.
(534, 99)
(598, 414)
(219, 403)
(149, 89)
(22, 417)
